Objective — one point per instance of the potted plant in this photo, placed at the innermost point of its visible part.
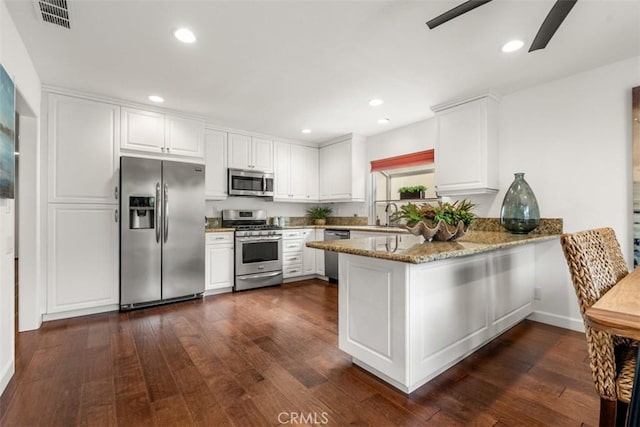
(319, 214)
(412, 192)
(444, 221)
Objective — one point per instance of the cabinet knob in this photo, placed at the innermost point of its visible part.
(168, 149)
(162, 149)
(116, 216)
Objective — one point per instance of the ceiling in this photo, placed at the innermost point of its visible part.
(276, 67)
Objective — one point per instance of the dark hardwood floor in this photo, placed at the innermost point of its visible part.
(270, 357)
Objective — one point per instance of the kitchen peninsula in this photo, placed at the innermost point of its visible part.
(410, 309)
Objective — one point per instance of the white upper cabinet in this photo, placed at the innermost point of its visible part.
(184, 137)
(82, 138)
(343, 170)
(466, 149)
(215, 159)
(282, 171)
(142, 131)
(246, 152)
(149, 132)
(296, 172)
(262, 154)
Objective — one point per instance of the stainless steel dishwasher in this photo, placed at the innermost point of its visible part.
(331, 258)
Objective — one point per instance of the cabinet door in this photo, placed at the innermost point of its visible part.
(309, 254)
(466, 148)
(311, 174)
(319, 253)
(239, 150)
(82, 256)
(299, 174)
(83, 150)
(335, 169)
(184, 137)
(282, 171)
(142, 131)
(262, 154)
(215, 159)
(219, 266)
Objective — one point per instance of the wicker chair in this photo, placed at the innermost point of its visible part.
(596, 264)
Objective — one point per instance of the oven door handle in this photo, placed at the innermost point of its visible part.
(258, 276)
(259, 239)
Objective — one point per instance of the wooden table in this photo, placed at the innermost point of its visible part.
(618, 312)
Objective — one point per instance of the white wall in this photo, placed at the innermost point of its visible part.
(17, 63)
(572, 139)
(419, 136)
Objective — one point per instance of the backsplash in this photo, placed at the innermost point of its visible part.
(547, 225)
(296, 221)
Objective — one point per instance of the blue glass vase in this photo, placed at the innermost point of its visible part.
(520, 213)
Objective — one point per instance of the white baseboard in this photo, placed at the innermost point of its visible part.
(82, 312)
(218, 291)
(557, 320)
(6, 374)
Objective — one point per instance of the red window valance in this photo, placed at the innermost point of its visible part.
(406, 160)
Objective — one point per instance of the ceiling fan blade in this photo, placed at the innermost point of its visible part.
(455, 12)
(556, 15)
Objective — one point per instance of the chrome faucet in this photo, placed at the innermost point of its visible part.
(387, 209)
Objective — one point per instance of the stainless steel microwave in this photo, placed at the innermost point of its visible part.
(250, 183)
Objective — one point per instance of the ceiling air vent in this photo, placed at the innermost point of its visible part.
(54, 11)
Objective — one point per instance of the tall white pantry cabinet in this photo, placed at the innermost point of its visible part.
(82, 140)
(85, 137)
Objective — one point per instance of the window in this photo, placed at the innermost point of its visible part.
(391, 174)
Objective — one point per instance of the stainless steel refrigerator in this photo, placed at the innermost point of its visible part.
(162, 236)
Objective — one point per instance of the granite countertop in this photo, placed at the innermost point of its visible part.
(376, 228)
(218, 230)
(413, 249)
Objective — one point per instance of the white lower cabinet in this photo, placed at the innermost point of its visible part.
(407, 323)
(83, 258)
(319, 254)
(219, 263)
(297, 258)
(308, 254)
(292, 253)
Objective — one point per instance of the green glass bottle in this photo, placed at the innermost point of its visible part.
(520, 213)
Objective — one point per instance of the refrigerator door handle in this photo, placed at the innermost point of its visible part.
(166, 212)
(158, 212)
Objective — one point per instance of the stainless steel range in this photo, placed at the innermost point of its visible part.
(258, 249)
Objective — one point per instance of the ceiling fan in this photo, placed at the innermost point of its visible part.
(556, 15)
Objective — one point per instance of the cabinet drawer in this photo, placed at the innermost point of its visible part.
(292, 234)
(294, 270)
(292, 246)
(215, 238)
(292, 258)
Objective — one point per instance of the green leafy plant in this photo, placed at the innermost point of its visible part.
(450, 213)
(412, 189)
(319, 212)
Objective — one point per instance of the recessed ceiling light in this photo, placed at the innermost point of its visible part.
(383, 121)
(512, 46)
(306, 131)
(184, 35)
(156, 98)
(376, 102)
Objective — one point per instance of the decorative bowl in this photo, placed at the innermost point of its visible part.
(440, 232)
